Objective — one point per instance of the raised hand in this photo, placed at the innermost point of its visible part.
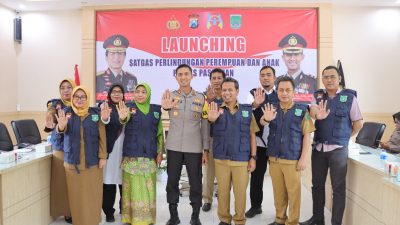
(213, 112)
(166, 101)
(49, 120)
(210, 93)
(269, 112)
(105, 111)
(123, 111)
(62, 120)
(322, 113)
(259, 97)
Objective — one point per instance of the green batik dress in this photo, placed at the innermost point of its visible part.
(139, 187)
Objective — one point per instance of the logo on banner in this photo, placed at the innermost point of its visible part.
(173, 24)
(194, 21)
(236, 21)
(215, 20)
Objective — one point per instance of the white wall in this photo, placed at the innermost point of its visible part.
(50, 48)
(367, 41)
(8, 61)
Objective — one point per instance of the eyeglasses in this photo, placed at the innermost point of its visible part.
(327, 77)
(81, 98)
(116, 92)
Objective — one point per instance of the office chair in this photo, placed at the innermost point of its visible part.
(26, 132)
(371, 134)
(5, 139)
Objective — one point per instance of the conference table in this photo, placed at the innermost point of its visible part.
(25, 190)
(372, 197)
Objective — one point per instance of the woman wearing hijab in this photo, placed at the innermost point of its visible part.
(142, 151)
(58, 188)
(85, 155)
(115, 137)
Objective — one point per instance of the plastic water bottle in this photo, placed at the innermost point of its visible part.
(383, 157)
(49, 139)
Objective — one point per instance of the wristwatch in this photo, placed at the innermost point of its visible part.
(253, 157)
(267, 121)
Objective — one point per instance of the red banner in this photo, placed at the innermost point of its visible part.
(240, 41)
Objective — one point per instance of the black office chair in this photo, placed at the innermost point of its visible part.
(371, 134)
(26, 132)
(5, 139)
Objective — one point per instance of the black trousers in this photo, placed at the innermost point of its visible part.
(336, 162)
(193, 163)
(109, 191)
(257, 178)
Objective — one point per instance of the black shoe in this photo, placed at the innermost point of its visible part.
(195, 220)
(252, 212)
(68, 219)
(173, 212)
(206, 207)
(275, 223)
(110, 218)
(312, 221)
(223, 223)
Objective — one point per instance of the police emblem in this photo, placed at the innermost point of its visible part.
(343, 98)
(236, 21)
(58, 106)
(298, 112)
(215, 20)
(156, 115)
(320, 96)
(245, 114)
(221, 111)
(68, 115)
(117, 42)
(173, 24)
(95, 118)
(292, 41)
(193, 21)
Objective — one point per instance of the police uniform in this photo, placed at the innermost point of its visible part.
(294, 44)
(187, 137)
(105, 79)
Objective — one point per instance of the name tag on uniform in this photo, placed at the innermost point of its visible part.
(95, 118)
(156, 115)
(245, 114)
(298, 112)
(343, 98)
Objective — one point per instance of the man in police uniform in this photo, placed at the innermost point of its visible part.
(292, 46)
(115, 46)
(187, 142)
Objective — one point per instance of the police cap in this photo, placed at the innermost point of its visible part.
(292, 43)
(116, 43)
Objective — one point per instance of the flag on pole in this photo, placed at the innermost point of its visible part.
(77, 81)
(341, 74)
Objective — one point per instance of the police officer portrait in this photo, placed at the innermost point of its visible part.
(292, 46)
(115, 55)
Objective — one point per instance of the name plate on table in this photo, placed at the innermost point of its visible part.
(43, 147)
(7, 157)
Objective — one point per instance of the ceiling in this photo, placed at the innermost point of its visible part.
(43, 5)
